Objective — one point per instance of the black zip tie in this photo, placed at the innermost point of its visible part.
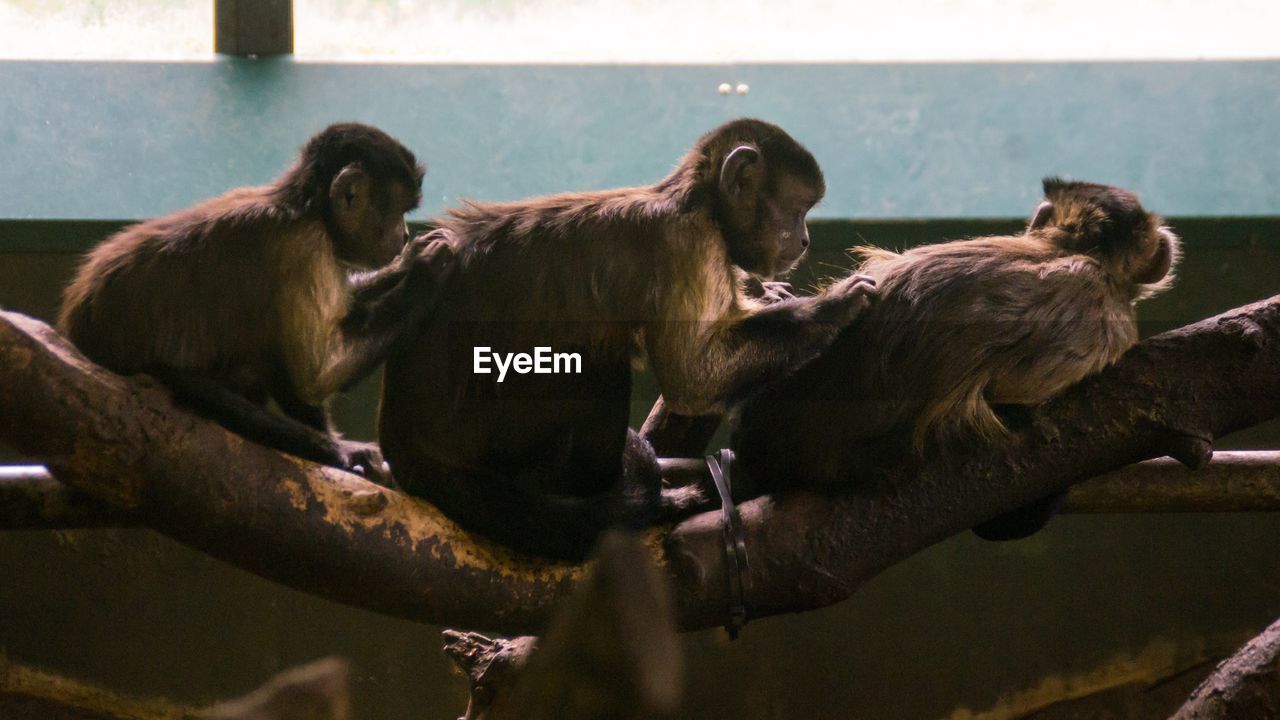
(735, 543)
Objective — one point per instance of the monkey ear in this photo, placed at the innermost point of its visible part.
(742, 172)
(1041, 216)
(1161, 260)
(350, 194)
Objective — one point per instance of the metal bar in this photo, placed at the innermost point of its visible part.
(31, 499)
(1235, 481)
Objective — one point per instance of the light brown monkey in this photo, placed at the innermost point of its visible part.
(250, 295)
(961, 327)
(544, 462)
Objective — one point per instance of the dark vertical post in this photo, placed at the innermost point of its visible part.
(253, 27)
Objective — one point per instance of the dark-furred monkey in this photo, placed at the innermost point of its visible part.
(543, 462)
(252, 295)
(960, 328)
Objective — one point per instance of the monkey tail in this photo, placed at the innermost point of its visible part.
(961, 414)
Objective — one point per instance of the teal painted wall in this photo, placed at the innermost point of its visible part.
(85, 147)
(131, 140)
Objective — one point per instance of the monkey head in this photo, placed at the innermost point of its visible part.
(368, 216)
(361, 182)
(1109, 224)
(765, 183)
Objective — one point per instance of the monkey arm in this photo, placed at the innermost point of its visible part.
(248, 419)
(704, 367)
(354, 353)
(675, 435)
(377, 298)
(384, 298)
(384, 306)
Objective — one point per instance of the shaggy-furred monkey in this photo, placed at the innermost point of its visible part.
(960, 327)
(249, 295)
(544, 462)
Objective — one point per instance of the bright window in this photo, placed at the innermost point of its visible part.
(711, 31)
(667, 31)
(106, 29)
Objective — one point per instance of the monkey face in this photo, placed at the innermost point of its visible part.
(764, 217)
(387, 231)
(783, 225)
(369, 218)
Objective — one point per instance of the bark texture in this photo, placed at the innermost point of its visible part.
(123, 443)
(610, 654)
(1245, 686)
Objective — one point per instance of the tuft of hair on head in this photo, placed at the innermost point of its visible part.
(1110, 222)
(1096, 216)
(305, 186)
(778, 148)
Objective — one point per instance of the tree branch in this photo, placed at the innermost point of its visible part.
(31, 499)
(1234, 481)
(611, 652)
(1245, 685)
(318, 690)
(808, 551)
(122, 442)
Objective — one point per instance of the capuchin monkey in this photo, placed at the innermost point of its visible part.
(960, 328)
(543, 462)
(251, 295)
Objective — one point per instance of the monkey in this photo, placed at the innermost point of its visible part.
(257, 293)
(542, 463)
(959, 330)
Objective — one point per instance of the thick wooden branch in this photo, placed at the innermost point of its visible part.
(611, 652)
(1234, 481)
(1172, 393)
(122, 442)
(1244, 686)
(318, 690)
(28, 693)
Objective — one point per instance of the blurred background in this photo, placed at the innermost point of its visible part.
(932, 120)
(665, 31)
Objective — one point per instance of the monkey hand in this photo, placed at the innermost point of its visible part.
(767, 291)
(842, 302)
(365, 459)
(431, 260)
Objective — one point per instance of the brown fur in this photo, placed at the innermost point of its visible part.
(247, 293)
(961, 327)
(618, 276)
(271, 288)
